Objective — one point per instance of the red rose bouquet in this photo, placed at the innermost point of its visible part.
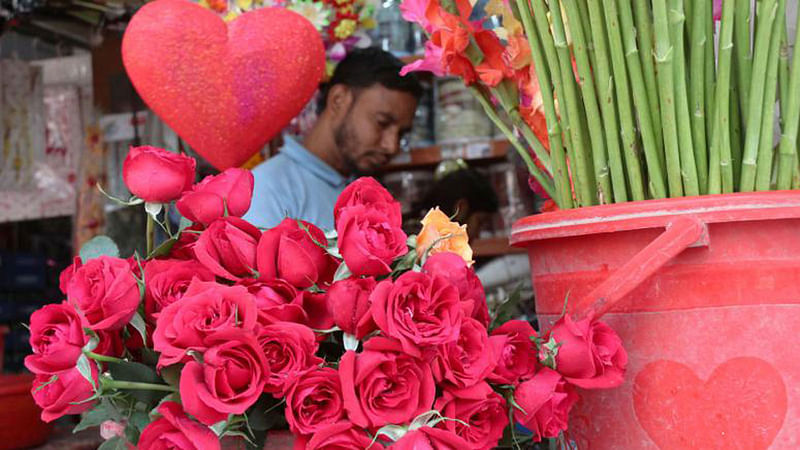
(357, 338)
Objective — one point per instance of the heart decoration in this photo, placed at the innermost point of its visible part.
(741, 405)
(225, 88)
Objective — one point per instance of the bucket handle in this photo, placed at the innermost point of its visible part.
(682, 232)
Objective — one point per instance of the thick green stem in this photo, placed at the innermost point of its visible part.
(709, 74)
(744, 58)
(764, 161)
(593, 118)
(697, 52)
(628, 126)
(644, 32)
(134, 385)
(560, 172)
(664, 55)
(787, 150)
(720, 157)
(103, 358)
(605, 86)
(684, 122)
(753, 128)
(535, 171)
(783, 74)
(736, 131)
(583, 175)
(150, 233)
(641, 100)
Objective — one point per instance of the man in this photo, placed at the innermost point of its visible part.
(365, 111)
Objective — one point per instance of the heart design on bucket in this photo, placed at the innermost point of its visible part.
(741, 405)
(225, 88)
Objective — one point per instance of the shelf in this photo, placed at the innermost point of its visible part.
(426, 157)
(490, 247)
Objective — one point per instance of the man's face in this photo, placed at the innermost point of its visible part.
(370, 133)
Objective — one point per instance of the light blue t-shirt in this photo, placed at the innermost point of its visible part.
(294, 183)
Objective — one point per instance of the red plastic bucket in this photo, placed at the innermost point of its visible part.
(705, 293)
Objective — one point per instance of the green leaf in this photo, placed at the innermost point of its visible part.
(219, 427)
(131, 202)
(134, 371)
(411, 242)
(137, 321)
(115, 443)
(393, 432)
(163, 248)
(132, 433)
(426, 419)
(84, 366)
(99, 246)
(184, 224)
(549, 350)
(172, 374)
(99, 414)
(342, 272)
(508, 309)
(139, 419)
(41, 386)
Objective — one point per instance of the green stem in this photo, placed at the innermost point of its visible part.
(534, 170)
(628, 126)
(150, 233)
(753, 129)
(783, 74)
(103, 358)
(168, 227)
(641, 101)
(699, 41)
(593, 118)
(720, 170)
(605, 86)
(764, 162)
(135, 385)
(684, 123)
(709, 74)
(787, 150)
(644, 31)
(664, 55)
(736, 132)
(583, 175)
(560, 173)
(744, 57)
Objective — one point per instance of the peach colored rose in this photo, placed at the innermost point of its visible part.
(440, 234)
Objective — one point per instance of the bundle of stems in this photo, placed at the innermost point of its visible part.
(651, 107)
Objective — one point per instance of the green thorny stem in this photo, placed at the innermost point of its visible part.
(720, 152)
(790, 112)
(766, 18)
(684, 124)
(644, 32)
(563, 190)
(589, 96)
(697, 53)
(743, 55)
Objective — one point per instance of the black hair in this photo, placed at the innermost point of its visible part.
(467, 184)
(365, 67)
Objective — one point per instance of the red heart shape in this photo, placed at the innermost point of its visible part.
(741, 405)
(226, 89)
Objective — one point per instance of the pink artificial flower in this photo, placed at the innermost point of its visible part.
(432, 62)
(414, 11)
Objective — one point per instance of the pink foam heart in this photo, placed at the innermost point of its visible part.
(225, 88)
(741, 405)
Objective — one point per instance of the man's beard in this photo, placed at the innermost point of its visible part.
(345, 140)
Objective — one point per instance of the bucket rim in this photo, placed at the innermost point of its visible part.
(736, 207)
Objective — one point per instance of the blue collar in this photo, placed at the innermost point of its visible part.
(311, 162)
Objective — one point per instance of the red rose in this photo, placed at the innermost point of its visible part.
(383, 384)
(68, 273)
(348, 302)
(57, 339)
(228, 381)
(428, 438)
(340, 436)
(367, 192)
(418, 309)
(209, 199)
(111, 342)
(590, 353)
(453, 267)
(369, 241)
(156, 175)
(184, 247)
(174, 429)
(166, 280)
(315, 401)
(289, 350)
(105, 292)
(470, 359)
(315, 304)
(480, 415)
(205, 309)
(276, 301)
(63, 393)
(295, 251)
(228, 248)
(517, 360)
(546, 400)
